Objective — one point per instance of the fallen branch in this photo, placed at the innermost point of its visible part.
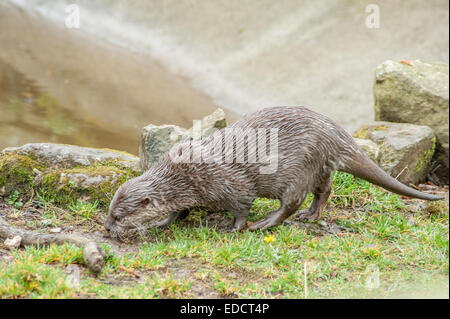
(93, 255)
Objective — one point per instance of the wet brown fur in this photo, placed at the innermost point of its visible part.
(310, 147)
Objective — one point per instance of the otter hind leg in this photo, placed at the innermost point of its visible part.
(240, 218)
(276, 217)
(288, 207)
(240, 212)
(321, 194)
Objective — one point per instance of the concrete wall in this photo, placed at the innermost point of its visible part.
(255, 53)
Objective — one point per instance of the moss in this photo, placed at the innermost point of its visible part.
(426, 157)
(117, 151)
(113, 177)
(103, 171)
(366, 129)
(16, 172)
(65, 190)
(117, 163)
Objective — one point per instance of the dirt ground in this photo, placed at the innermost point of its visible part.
(31, 216)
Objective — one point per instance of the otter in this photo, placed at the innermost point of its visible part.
(309, 147)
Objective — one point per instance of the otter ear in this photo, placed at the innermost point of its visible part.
(145, 201)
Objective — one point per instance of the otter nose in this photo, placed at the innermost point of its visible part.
(108, 224)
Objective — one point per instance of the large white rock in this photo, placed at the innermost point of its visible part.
(13, 243)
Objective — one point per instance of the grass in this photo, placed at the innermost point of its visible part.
(394, 246)
(84, 210)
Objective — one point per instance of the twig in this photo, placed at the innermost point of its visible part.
(406, 167)
(93, 255)
(132, 272)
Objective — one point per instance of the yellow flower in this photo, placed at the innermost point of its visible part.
(270, 239)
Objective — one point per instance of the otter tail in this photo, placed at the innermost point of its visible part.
(363, 167)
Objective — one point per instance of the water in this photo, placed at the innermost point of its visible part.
(29, 114)
(168, 61)
(63, 86)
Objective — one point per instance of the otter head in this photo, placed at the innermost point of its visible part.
(135, 204)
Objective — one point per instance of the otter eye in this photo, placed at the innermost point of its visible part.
(148, 200)
(116, 217)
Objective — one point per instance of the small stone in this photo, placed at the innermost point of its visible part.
(55, 230)
(13, 243)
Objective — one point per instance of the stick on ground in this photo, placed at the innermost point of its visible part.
(93, 255)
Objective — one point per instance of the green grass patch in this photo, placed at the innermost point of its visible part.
(387, 248)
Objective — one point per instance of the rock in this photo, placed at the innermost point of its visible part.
(405, 149)
(370, 148)
(66, 156)
(206, 126)
(66, 172)
(158, 140)
(13, 243)
(56, 230)
(416, 94)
